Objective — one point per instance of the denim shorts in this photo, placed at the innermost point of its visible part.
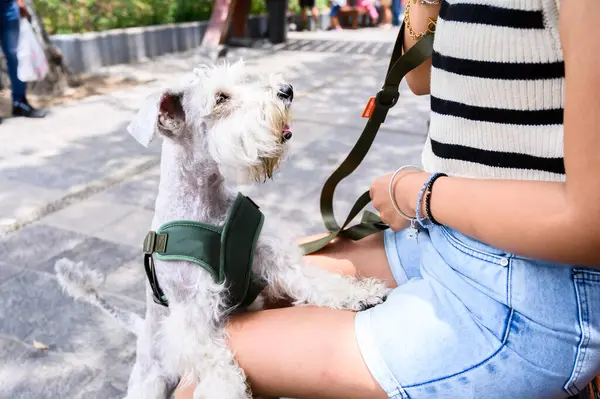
(471, 321)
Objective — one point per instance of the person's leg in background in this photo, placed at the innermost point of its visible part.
(304, 24)
(9, 36)
(309, 4)
(370, 7)
(396, 11)
(387, 14)
(333, 15)
(315, 13)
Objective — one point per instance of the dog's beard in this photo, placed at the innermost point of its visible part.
(265, 169)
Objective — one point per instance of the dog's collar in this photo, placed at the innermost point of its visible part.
(226, 252)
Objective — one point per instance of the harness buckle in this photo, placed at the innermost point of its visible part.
(385, 99)
(149, 242)
(154, 242)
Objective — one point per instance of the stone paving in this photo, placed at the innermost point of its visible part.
(76, 185)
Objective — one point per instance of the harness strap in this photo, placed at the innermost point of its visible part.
(238, 241)
(225, 252)
(157, 294)
(386, 98)
(154, 242)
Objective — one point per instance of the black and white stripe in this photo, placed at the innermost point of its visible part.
(486, 14)
(497, 91)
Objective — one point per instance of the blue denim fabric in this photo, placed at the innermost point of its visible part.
(9, 39)
(396, 12)
(472, 321)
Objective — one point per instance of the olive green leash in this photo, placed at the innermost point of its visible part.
(385, 99)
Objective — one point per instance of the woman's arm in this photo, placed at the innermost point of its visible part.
(555, 221)
(418, 79)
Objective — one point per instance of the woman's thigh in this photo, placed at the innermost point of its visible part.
(365, 258)
(300, 352)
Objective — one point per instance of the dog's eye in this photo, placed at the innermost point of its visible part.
(221, 98)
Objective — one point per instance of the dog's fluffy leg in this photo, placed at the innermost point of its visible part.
(82, 283)
(149, 378)
(198, 348)
(312, 285)
(152, 386)
(287, 274)
(220, 376)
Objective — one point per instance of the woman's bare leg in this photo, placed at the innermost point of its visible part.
(364, 258)
(308, 352)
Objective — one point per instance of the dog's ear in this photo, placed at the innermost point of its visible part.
(161, 111)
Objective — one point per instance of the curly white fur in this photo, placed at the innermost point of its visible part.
(218, 121)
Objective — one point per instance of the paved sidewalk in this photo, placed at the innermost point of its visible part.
(76, 185)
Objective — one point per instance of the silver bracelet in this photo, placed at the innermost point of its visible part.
(431, 2)
(391, 190)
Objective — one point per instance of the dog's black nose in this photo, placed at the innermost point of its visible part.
(286, 92)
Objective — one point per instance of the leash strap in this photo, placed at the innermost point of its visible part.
(385, 99)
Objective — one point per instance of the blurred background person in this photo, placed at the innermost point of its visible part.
(11, 12)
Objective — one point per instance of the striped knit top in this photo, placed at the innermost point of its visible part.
(497, 91)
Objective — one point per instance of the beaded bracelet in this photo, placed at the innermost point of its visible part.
(428, 199)
(425, 221)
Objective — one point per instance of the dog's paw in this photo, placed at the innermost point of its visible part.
(371, 292)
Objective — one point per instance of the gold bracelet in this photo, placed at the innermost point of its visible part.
(411, 32)
(428, 2)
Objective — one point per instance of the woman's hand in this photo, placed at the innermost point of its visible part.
(23, 11)
(407, 185)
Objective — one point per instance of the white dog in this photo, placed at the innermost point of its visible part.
(218, 121)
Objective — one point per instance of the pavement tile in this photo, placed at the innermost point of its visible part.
(58, 176)
(19, 199)
(10, 347)
(130, 230)
(139, 191)
(35, 243)
(88, 216)
(43, 375)
(94, 253)
(27, 301)
(7, 272)
(80, 328)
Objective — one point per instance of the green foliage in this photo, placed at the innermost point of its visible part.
(76, 16)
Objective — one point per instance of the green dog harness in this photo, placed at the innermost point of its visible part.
(225, 252)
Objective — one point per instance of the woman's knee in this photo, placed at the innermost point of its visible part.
(364, 258)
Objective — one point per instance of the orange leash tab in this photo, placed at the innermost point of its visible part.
(369, 108)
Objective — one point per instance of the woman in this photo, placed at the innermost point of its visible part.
(489, 303)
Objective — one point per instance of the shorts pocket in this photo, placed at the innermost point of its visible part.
(475, 248)
(587, 355)
(486, 268)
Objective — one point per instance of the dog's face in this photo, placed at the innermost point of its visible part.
(221, 113)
